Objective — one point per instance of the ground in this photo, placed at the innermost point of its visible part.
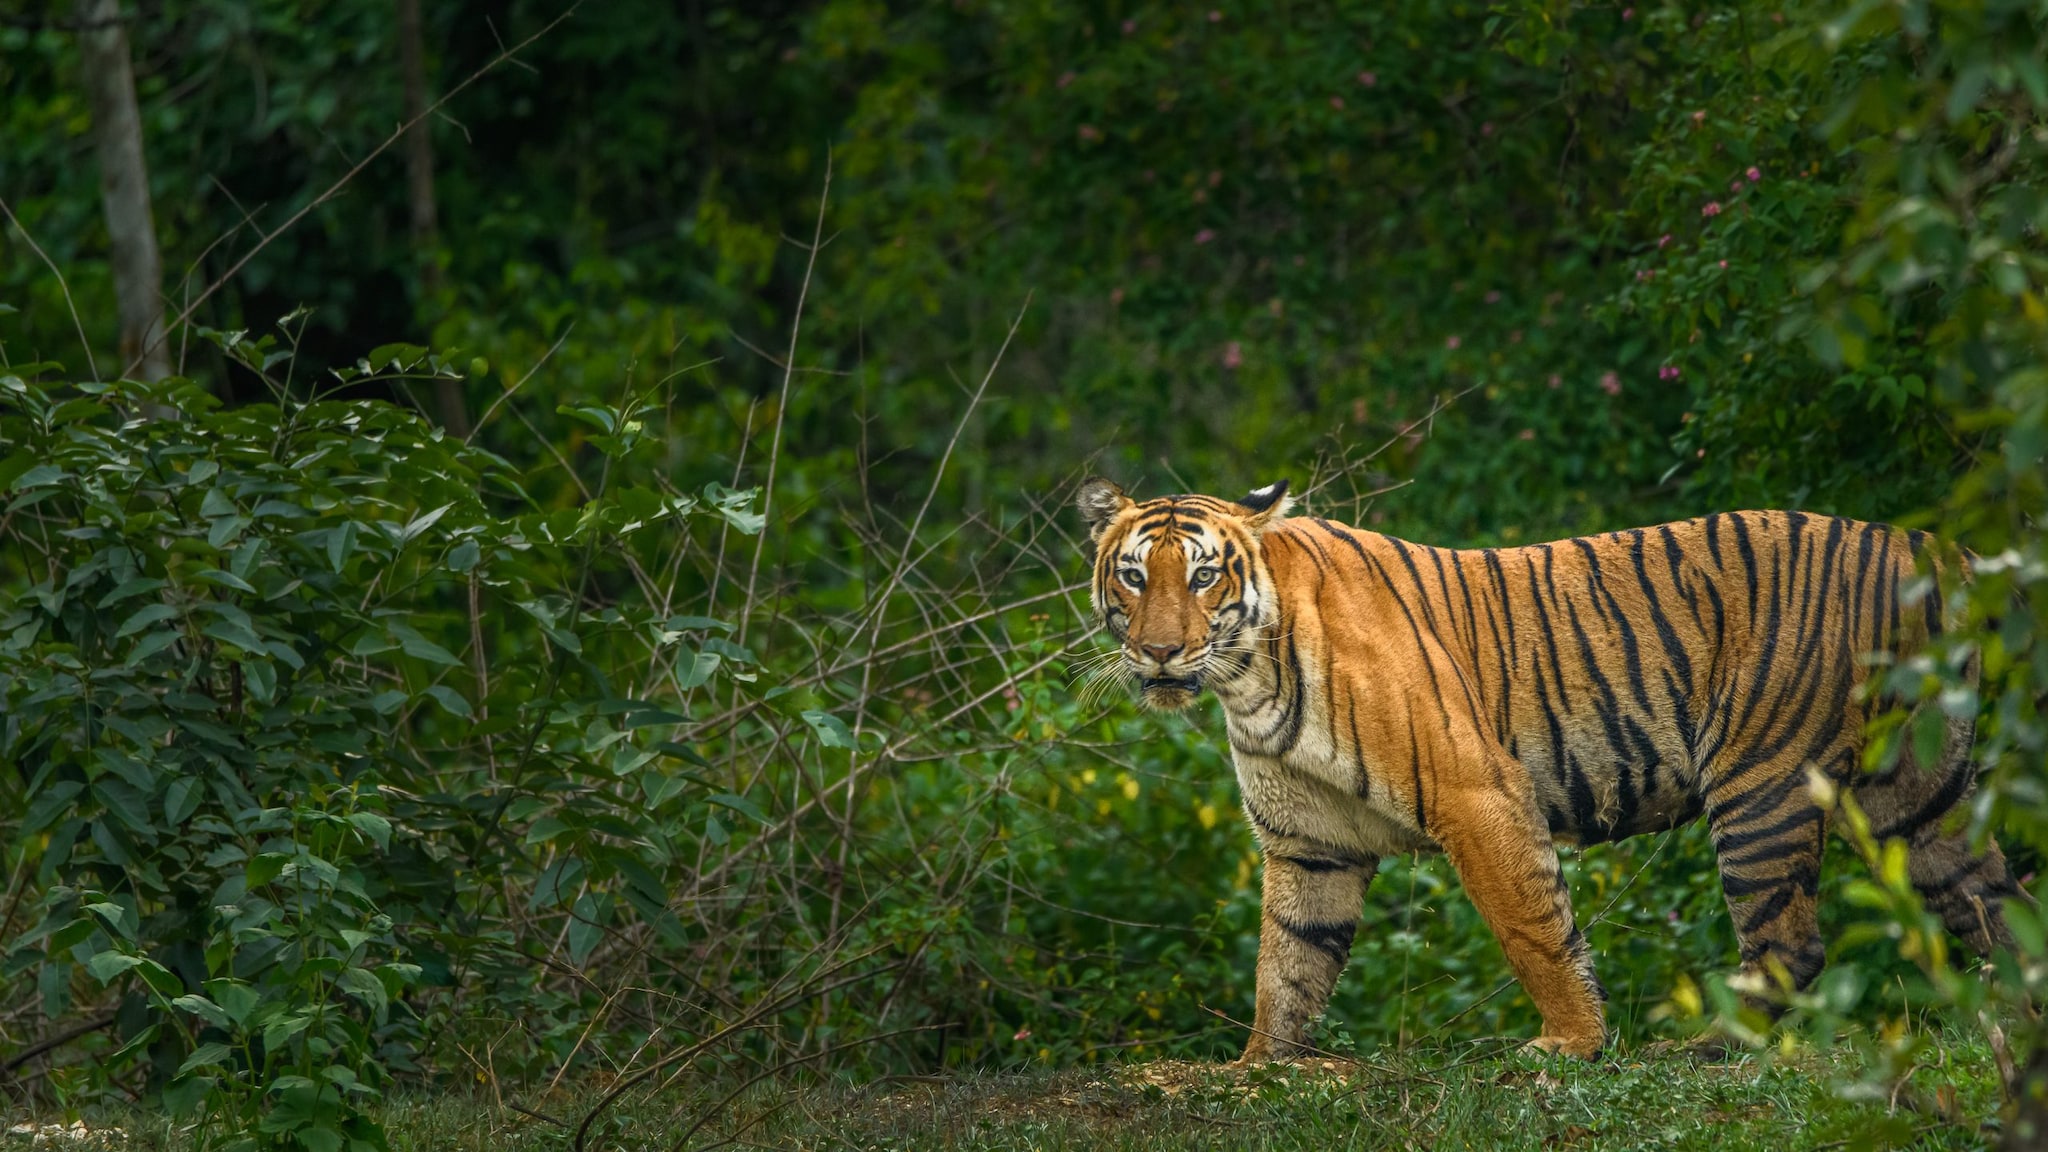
(1480, 1097)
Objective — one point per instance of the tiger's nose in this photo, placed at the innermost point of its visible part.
(1162, 652)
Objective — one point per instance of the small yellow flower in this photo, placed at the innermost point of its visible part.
(1088, 776)
(1130, 788)
(1102, 807)
(1207, 815)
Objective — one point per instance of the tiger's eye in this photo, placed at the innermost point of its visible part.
(1204, 577)
(1132, 577)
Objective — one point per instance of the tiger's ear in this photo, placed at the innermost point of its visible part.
(1099, 501)
(1266, 505)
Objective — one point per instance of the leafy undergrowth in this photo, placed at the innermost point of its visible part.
(1478, 1097)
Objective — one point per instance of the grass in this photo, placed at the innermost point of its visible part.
(1475, 1098)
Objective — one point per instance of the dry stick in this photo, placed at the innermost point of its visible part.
(520, 383)
(881, 609)
(61, 286)
(782, 405)
(59, 1040)
(750, 1020)
(504, 56)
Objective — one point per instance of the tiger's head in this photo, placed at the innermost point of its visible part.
(1179, 582)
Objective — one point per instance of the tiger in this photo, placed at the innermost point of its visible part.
(1489, 704)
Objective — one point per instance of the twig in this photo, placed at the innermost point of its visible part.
(61, 285)
(59, 1040)
(782, 406)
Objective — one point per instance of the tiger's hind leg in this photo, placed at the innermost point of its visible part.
(1768, 837)
(1967, 889)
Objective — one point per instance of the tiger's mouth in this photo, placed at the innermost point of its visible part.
(1168, 693)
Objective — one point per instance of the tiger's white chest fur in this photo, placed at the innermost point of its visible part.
(1301, 785)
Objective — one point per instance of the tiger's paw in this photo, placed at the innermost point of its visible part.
(1578, 1047)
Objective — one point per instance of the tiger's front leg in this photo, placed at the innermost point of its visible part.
(1310, 905)
(1508, 866)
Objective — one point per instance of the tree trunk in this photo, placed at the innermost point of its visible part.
(419, 179)
(124, 188)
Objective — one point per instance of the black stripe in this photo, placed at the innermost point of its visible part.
(1331, 939)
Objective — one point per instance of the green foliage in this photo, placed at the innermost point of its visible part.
(346, 753)
(233, 664)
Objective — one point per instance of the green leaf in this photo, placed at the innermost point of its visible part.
(184, 1097)
(464, 556)
(223, 578)
(264, 868)
(340, 542)
(235, 998)
(206, 1055)
(181, 799)
(114, 918)
(143, 618)
(217, 503)
(37, 477)
(205, 1009)
(376, 827)
(452, 700)
(131, 587)
(104, 966)
(235, 633)
(364, 986)
(741, 805)
(414, 644)
(831, 730)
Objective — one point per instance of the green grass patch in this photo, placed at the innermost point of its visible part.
(1475, 1097)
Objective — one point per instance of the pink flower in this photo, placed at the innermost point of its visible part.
(1610, 383)
(1643, 274)
(1116, 295)
(1215, 17)
(1556, 381)
(1205, 235)
(1493, 296)
(1664, 240)
(1713, 208)
(1699, 117)
(1130, 26)
(1023, 1033)
(1668, 372)
(1724, 263)
(1735, 185)
(1754, 174)
(1337, 102)
(1065, 79)
(1233, 355)
(1486, 129)
(1090, 132)
(1526, 434)
(1368, 79)
(1628, 13)
(1452, 343)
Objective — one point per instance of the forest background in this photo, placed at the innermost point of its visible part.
(586, 589)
